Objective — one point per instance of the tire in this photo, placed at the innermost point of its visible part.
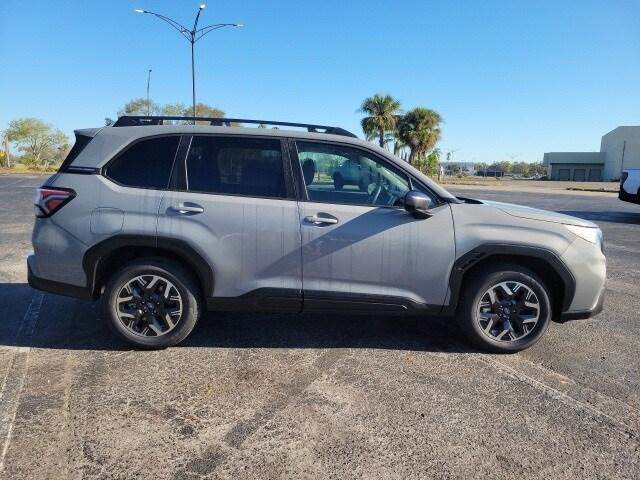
(484, 316)
(338, 181)
(148, 331)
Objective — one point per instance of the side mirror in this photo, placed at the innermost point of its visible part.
(417, 204)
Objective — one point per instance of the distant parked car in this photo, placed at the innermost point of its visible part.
(351, 173)
(630, 186)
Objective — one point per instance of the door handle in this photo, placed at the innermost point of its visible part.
(188, 208)
(318, 220)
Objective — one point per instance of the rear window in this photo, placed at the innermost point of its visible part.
(236, 166)
(146, 164)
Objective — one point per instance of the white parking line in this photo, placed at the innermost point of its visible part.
(14, 379)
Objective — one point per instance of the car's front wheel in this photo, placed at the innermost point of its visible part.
(504, 309)
(152, 303)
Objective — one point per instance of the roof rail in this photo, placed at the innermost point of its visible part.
(141, 120)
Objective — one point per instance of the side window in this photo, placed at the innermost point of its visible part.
(236, 166)
(341, 174)
(146, 164)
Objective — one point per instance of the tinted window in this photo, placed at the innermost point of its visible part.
(338, 174)
(145, 164)
(236, 166)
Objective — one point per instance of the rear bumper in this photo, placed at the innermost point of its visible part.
(584, 314)
(55, 287)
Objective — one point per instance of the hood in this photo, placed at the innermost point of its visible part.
(538, 214)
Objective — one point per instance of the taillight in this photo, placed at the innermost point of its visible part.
(51, 199)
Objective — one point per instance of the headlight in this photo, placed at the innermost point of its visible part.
(590, 234)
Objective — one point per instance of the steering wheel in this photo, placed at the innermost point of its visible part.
(375, 191)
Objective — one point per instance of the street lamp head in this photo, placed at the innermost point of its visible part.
(139, 10)
(238, 25)
(202, 6)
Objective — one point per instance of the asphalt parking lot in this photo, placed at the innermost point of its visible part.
(293, 396)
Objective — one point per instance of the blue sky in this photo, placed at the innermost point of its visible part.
(510, 77)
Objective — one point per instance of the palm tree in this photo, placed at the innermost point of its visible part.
(382, 116)
(389, 137)
(399, 148)
(419, 129)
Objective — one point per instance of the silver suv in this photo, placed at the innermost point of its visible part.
(166, 221)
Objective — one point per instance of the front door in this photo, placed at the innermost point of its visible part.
(359, 246)
(232, 202)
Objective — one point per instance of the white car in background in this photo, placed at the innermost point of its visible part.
(351, 172)
(630, 186)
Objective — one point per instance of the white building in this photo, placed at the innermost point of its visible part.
(619, 149)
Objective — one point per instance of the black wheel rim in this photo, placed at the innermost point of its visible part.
(149, 306)
(508, 311)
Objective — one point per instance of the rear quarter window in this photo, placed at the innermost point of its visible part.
(145, 164)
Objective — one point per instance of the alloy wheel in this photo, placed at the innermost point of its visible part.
(508, 311)
(149, 306)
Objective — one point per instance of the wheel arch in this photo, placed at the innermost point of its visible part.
(546, 264)
(103, 259)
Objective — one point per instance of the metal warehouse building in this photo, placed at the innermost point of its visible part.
(619, 150)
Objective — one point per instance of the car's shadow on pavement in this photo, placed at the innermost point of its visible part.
(66, 323)
(630, 218)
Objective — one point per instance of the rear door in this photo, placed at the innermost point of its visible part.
(232, 200)
(360, 248)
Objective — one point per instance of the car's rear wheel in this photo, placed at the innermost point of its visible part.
(152, 303)
(504, 309)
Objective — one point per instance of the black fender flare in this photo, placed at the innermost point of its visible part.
(463, 264)
(94, 258)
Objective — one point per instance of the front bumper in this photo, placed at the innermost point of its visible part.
(584, 314)
(628, 197)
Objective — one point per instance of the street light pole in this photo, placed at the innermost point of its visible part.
(193, 79)
(148, 100)
(192, 37)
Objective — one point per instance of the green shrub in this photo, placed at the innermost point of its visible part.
(30, 163)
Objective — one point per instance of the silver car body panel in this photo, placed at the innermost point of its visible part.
(378, 251)
(589, 268)
(250, 243)
(530, 213)
(478, 224)
(61, 241)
